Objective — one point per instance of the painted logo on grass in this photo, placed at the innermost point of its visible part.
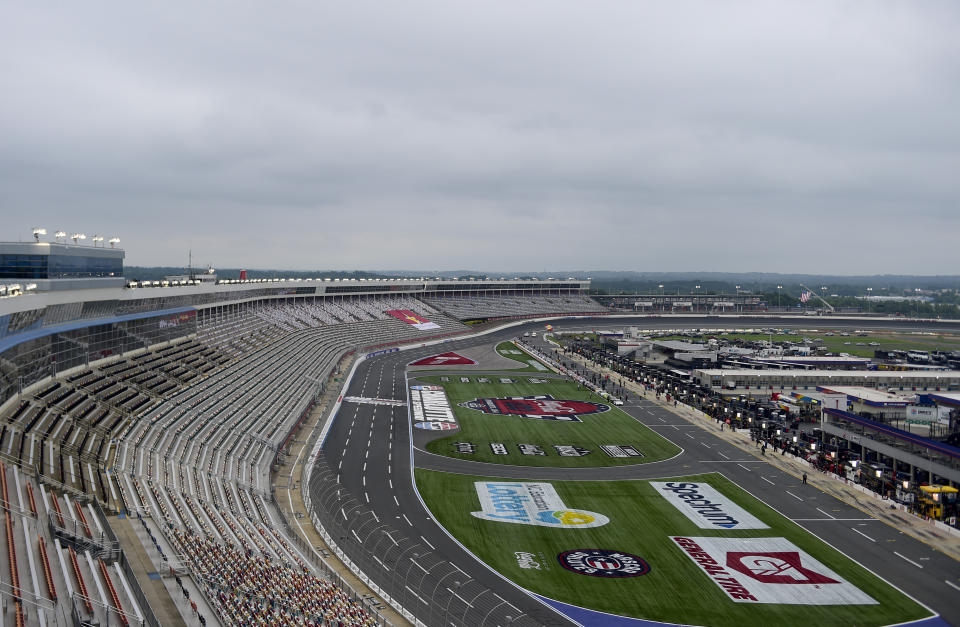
(445, 359)
(543, 407)
(530, 503)
(430, 409)
(603, 563)
(769, 570)
(436, 426)
(705, 507)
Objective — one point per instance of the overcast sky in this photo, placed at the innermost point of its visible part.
(522, 135)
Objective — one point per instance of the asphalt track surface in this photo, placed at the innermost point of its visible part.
(368, 446)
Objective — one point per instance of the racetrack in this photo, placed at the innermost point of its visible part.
(368, 450)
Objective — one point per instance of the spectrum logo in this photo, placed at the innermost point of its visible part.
(706, 507)
(530, 503)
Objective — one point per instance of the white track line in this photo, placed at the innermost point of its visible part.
(907, 559)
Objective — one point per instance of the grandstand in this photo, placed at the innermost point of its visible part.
(170, 406)
(472, 307)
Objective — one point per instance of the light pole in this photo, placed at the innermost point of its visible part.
(779, 287)
(436, 587)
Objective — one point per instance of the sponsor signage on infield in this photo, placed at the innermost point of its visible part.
(568, 450)
(707, 508)
(445, 359)
(542, 407)
(603, 563)
(531, 449)
(620, 450)
(530, 503)
(436, 426)
(526, 560)
(414, 320)
(430, 408)
(769, 570)
(498, 448)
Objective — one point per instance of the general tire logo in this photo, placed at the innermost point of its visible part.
(775, 567)
(603, 563)
(536, 407)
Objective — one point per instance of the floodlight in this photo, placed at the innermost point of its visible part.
(77, 236)
(97, 238)
(114, 241)
(60, 234)
(37, 232)
(879, 473)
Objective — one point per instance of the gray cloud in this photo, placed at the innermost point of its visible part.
(775, 136)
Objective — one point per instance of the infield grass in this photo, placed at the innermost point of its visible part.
(641, 522)
(479, 428)
(512, 351)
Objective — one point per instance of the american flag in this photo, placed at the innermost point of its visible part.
(805, 296)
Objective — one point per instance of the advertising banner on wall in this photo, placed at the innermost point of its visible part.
(414, 320)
